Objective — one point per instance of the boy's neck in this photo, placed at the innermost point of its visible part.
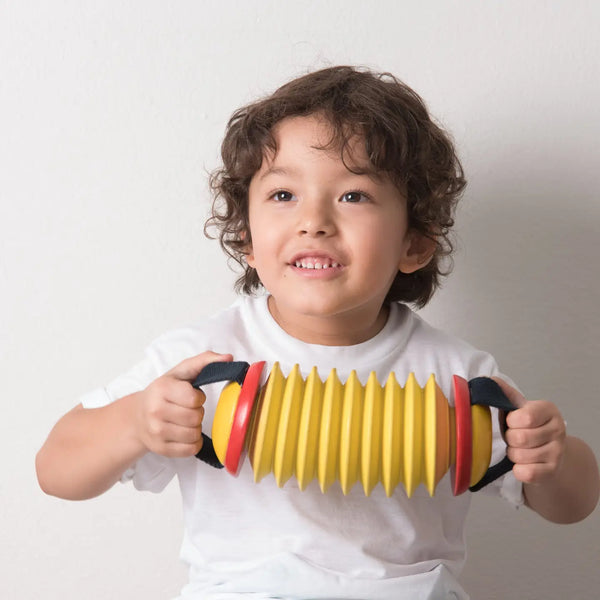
(342, 330)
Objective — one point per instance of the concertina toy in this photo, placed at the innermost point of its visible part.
(349, 432)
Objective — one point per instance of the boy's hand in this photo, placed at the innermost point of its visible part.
(170, 410)
(536, 437)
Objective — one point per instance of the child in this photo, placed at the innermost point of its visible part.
(336, 195)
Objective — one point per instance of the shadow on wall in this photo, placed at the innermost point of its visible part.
(527, 288)
(533, 280)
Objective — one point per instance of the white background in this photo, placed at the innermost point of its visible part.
(111, 113)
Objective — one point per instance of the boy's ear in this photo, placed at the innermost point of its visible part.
(419, 252)
(247, 250)
(249, 256)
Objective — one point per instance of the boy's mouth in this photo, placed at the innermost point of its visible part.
(314, 262)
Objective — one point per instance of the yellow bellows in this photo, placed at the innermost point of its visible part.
(353, 433)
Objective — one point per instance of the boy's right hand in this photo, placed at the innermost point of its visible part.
(170, 411)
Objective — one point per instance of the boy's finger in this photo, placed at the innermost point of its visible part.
(526, 438)
(533, 415)
(189, 368)
(179, 449)
(184, 416)
(546, 454)
(532, 473)
(170, 390)
(193, 399)
(183, 394)
(182, 435)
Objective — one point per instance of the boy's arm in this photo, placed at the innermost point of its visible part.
(560, 474)
(572, 493)
(88, 450)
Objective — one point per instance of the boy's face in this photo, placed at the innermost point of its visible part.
(327, 243)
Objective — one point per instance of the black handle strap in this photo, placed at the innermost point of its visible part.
(213, 373)
(487, 392)
(222, 371)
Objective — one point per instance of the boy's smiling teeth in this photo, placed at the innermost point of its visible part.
(315, 263)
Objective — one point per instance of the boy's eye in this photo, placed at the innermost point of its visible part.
(354, 197)
(282, 196)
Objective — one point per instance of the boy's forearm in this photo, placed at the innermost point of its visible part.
(88, 450)
(572, 494)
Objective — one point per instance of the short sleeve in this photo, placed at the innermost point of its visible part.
(152, 472)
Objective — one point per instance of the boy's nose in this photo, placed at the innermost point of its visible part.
(315, 220)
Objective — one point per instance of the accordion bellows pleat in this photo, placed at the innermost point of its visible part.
(353, 433)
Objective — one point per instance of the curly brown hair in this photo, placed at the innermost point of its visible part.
(401, 139)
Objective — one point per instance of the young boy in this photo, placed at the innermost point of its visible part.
(337, 194)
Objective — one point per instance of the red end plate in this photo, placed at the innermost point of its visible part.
(242, 417)
(461, 473)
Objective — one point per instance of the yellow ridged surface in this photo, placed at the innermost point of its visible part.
(442, 460)
(266, 424)
(308, 432)
(350, 432)
(346, 432)
(481, 423)
(329, 434)
(223, 419)
(430, 439)
(286, 444)
(413, 435)
(392, 438)
(371, 445)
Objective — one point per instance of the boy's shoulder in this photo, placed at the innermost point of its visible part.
(216, 332)
(441, 346)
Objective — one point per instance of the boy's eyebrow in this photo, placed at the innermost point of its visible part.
(272, 170)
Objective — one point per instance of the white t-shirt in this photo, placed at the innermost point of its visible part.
(244, 539)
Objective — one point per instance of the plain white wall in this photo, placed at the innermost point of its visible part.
(110, 115)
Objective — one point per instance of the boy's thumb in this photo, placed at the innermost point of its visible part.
(189, 368)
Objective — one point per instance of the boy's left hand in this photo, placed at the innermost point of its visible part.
(536, 437)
